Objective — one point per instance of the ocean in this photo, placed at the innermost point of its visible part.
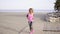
(27, 10)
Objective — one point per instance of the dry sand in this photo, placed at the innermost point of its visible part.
(16, 23)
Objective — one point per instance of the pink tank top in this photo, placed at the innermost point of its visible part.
(30, 17)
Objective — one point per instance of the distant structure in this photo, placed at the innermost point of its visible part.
(55, 16)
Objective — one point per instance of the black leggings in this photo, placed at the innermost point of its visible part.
(30, 25)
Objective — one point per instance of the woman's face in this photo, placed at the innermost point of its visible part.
(31, 11)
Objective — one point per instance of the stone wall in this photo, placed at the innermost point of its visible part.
(53, 17)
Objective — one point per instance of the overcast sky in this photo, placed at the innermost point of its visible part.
(25, 4)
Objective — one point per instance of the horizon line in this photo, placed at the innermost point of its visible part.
(25, 10)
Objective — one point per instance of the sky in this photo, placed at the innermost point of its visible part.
(26, 4)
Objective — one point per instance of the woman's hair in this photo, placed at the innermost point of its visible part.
(30, 9)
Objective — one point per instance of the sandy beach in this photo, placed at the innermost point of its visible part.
(16, 23)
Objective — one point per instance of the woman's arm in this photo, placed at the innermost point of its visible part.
(27, 15)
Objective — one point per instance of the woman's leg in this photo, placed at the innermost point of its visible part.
(30, 25)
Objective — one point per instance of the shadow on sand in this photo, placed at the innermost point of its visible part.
(19, 32)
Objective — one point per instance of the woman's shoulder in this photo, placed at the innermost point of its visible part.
(27, 15)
